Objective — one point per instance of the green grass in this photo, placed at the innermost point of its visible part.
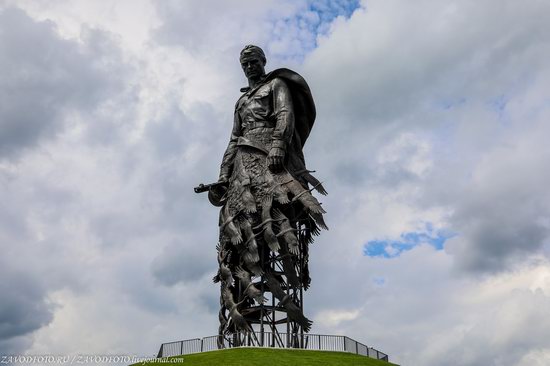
(271, 357)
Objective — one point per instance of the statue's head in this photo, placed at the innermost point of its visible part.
(253, 62)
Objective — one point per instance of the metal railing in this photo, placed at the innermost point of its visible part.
(318, 342)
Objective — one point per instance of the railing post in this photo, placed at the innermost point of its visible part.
(262, 334)
(344, 338)
(356, 347)
(202, 340)
(181, 348)
(319, 341)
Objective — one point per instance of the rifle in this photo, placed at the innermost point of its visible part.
(206, 187)
(216, 192)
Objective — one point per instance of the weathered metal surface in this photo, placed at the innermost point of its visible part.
(268, 213)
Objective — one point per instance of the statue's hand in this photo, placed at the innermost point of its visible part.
(275, 159)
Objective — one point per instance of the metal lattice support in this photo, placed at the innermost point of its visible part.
(272, 317)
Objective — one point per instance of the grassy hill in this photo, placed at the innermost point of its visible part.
(272, 357)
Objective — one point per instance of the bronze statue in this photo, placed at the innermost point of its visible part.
(268, 215)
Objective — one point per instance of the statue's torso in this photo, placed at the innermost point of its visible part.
(255, 108)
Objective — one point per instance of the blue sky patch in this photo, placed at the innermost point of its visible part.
(407, 241)
(302, 29)
(328, 10)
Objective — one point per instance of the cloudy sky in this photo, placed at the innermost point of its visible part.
(432, 139)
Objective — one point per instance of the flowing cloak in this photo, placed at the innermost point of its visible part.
(304, 106)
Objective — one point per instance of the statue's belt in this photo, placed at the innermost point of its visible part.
(260, 124)
(243, 141)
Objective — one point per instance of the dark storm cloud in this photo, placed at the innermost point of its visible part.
(23, 308)
(503, 214)
(43, 76)
(182, 262)
(495, 240)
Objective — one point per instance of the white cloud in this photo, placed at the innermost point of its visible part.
(45, 82)
(427, 314)
(464, 84)
(333, 318)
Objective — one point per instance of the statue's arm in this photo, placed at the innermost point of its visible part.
(283, 111)
(229, 155)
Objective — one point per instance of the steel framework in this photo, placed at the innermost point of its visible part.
(272, 316)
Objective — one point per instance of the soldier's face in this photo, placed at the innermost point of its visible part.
(253, 67)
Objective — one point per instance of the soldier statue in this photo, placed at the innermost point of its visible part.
(268, 213)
